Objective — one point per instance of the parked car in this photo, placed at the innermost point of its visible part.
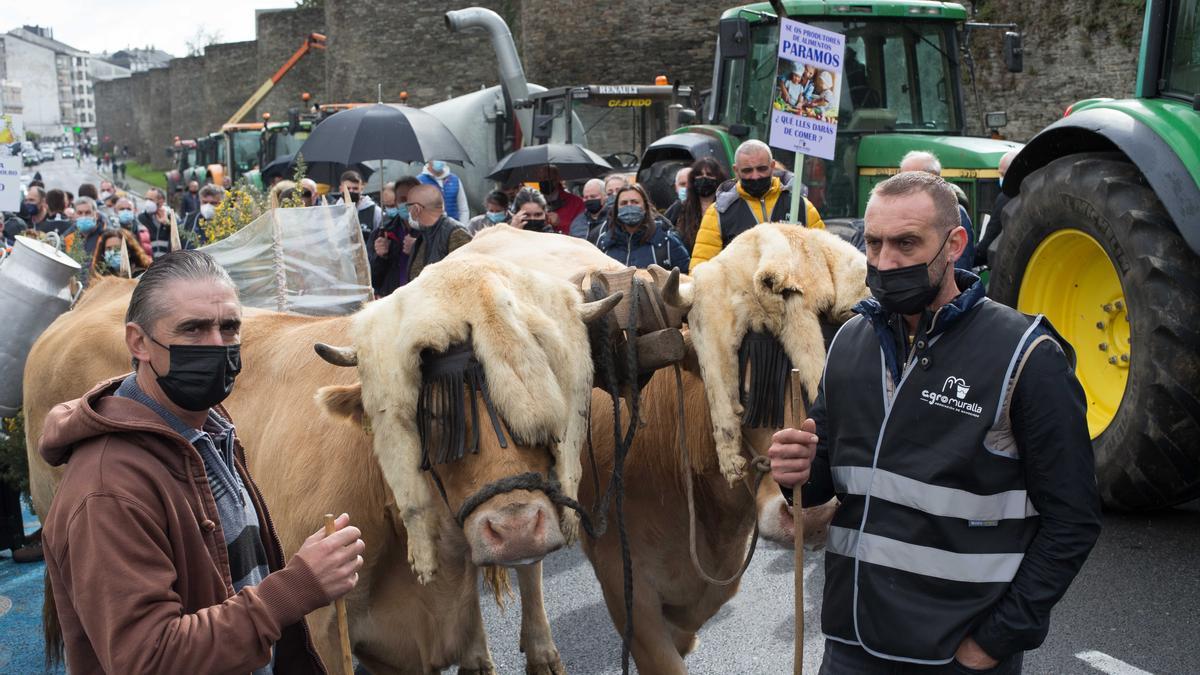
(68, 152)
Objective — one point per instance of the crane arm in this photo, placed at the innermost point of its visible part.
(313, 41)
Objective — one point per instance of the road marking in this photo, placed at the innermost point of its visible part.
(1108, 664)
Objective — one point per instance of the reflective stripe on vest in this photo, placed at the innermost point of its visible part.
(932, 499)
(979, 568)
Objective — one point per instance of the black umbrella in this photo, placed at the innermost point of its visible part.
(284, 166)
(574, 162)
(381, 131)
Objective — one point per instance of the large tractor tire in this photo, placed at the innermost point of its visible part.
(1089, 244)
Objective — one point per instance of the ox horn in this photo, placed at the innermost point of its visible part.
(338, 356)
(590, 311)
(673, 294)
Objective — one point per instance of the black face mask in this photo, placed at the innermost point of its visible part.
(547, 188)
(706, 186)
(354, 197)
(535, 225)
(201, 376)
(757, 187)
(905, 290)
(28, 210)
(593, 206)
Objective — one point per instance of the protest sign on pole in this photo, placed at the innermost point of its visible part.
(804, 112)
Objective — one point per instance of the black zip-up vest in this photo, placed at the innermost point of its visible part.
(434, 240)
(935, 519)
(740, 216)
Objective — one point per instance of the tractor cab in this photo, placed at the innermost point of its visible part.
(900, 90)
(616, 122)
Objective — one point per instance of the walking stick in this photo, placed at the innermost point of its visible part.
(797, 416)
(343, 622)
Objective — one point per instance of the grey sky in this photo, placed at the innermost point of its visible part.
(110, 25)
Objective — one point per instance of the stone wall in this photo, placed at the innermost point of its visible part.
(280, 33)
(626, 41)
(1074, 49)
(405, 46)
(187, 97)
(114, 113)
(140, 97)
(159, 137)
(230, 77)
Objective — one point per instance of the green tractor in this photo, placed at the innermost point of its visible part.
(1103, 237)
(901, 91)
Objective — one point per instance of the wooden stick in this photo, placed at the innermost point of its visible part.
(175, 243)
(343, 622)
(796, 410)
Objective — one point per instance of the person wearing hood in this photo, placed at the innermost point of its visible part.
(954, 432)
(454, 195)
(594, 214)
(564, 206)
(757, 197)
(191, 232)
(636, 236)
(369, 213)
(160, 551)
(436, 234)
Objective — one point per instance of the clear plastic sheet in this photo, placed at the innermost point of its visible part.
(303, 260)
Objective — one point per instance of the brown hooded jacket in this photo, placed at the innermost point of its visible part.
(137, 560)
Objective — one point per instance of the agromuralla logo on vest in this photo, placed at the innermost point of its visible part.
(953, 396)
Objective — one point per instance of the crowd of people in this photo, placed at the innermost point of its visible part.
(117, 231)
(420, 219)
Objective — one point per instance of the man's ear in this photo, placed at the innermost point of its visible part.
(138, 342)
(958, 242)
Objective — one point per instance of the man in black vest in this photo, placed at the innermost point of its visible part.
(954, 432)
(437, 234)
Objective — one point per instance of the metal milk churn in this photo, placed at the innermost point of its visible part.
(35, 287)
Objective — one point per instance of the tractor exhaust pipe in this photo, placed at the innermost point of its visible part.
(512, 74)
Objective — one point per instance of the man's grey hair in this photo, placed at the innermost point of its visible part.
(86, 200)
(211, 190)
(616, 177)
(154, 193)
(945, 203)
(924, 161)
(148, 302)
(594, 182)
(751, 146)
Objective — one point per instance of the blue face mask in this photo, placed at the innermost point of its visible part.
(125, 216)
(85, 225)
(438, 166)
(402, 211)
(496, 216)
(112, 258)
(630, 214)
(391, 211)
(681, 193)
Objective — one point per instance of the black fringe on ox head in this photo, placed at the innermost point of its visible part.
(763, 397)
(446, 377)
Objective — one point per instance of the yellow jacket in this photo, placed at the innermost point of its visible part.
(708, 238)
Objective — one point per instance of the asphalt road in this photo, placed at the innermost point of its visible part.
(65, 175)
(1136, 603)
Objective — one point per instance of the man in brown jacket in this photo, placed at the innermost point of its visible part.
(160, 552)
